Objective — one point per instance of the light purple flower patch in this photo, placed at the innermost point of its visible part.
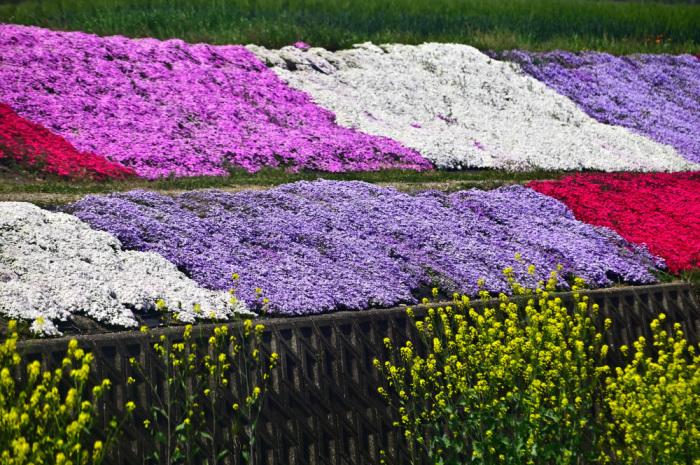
(326, 245)
(654, 95)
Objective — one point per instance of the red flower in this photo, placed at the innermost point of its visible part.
(33, 145)
(661, 210)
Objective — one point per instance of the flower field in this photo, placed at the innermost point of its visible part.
(661, 210)
(82, 106)
(172, 108)
(654, 95)
(53, 265)
(325, 245)
(165, 108)
(461, 109)
(175, 163)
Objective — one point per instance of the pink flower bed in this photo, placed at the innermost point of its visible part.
(661, 210)
(33, 145)
(171, 107)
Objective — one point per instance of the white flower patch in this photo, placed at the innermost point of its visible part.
(460, 109)
(52, 265)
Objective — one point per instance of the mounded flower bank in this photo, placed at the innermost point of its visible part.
(660, 210)
(52, 265)
(171, 107)
(162, 108)
(654, 95)
(325, 245)
(461, 109)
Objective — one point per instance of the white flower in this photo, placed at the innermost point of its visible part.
(473, 112)
(52, 265)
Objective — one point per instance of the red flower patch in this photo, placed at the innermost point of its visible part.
(32, 144)
(661, 210)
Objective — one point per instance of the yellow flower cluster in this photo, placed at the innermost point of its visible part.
(211, 365)
(507, 384)
(528, 383)
(39, 423)
(654, 402)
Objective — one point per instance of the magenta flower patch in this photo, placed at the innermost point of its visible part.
(171, 107)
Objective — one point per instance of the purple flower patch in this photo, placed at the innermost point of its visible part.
(654, 95)
(325, 245)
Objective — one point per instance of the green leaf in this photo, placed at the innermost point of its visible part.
(180, 427)
(161, 437)
(221, 454)
(205, 435)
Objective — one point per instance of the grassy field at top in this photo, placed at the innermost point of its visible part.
(538, 25)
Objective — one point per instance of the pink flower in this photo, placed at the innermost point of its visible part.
(170, 107)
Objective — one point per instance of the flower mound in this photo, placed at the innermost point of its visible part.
(654, 95)
(461, 109)
(324, 245)
(53, 265)
(170, 107)
(31, 144)
(661, 210)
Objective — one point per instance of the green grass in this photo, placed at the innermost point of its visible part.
(691, 276)
(14, 186)
(539, 25)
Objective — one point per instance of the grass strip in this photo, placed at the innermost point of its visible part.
(17, 185)
(537, 25)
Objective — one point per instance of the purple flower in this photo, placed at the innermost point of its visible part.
(325, 245)
(176, 108)
(654, 95)
(302, 45)
(448, 121)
